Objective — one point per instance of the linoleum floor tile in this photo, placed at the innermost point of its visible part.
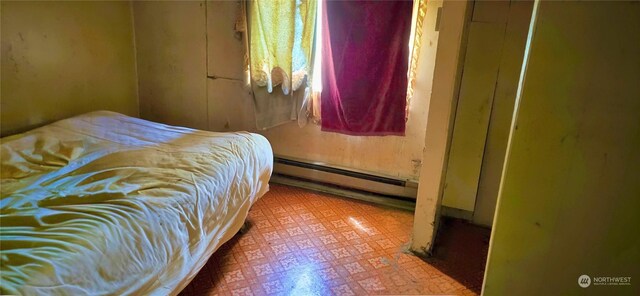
(306, 243)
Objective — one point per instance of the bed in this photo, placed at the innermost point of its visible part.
(104, 203)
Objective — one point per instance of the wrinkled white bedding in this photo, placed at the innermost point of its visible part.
(103, 204)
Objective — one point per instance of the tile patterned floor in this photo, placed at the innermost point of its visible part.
(306, 243)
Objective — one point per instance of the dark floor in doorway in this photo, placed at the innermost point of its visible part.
(460, 251)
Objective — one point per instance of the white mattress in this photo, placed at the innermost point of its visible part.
(103, 203)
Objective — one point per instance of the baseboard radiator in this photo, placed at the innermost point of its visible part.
(345, 182)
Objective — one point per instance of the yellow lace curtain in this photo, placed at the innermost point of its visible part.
(281, 42)
(419, 11)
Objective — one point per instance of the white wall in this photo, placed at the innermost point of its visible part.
(61, 59)
(569, 200)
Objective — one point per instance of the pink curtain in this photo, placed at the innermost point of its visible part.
(365, 53)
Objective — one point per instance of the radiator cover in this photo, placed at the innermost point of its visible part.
(346, 178)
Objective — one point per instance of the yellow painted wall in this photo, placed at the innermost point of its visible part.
(172, 65)
(477, 88)
(494, 51)
(569, 201)
(230, 100)
(174, 88)
(190, 65)
(515, 35)
(61, 59)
